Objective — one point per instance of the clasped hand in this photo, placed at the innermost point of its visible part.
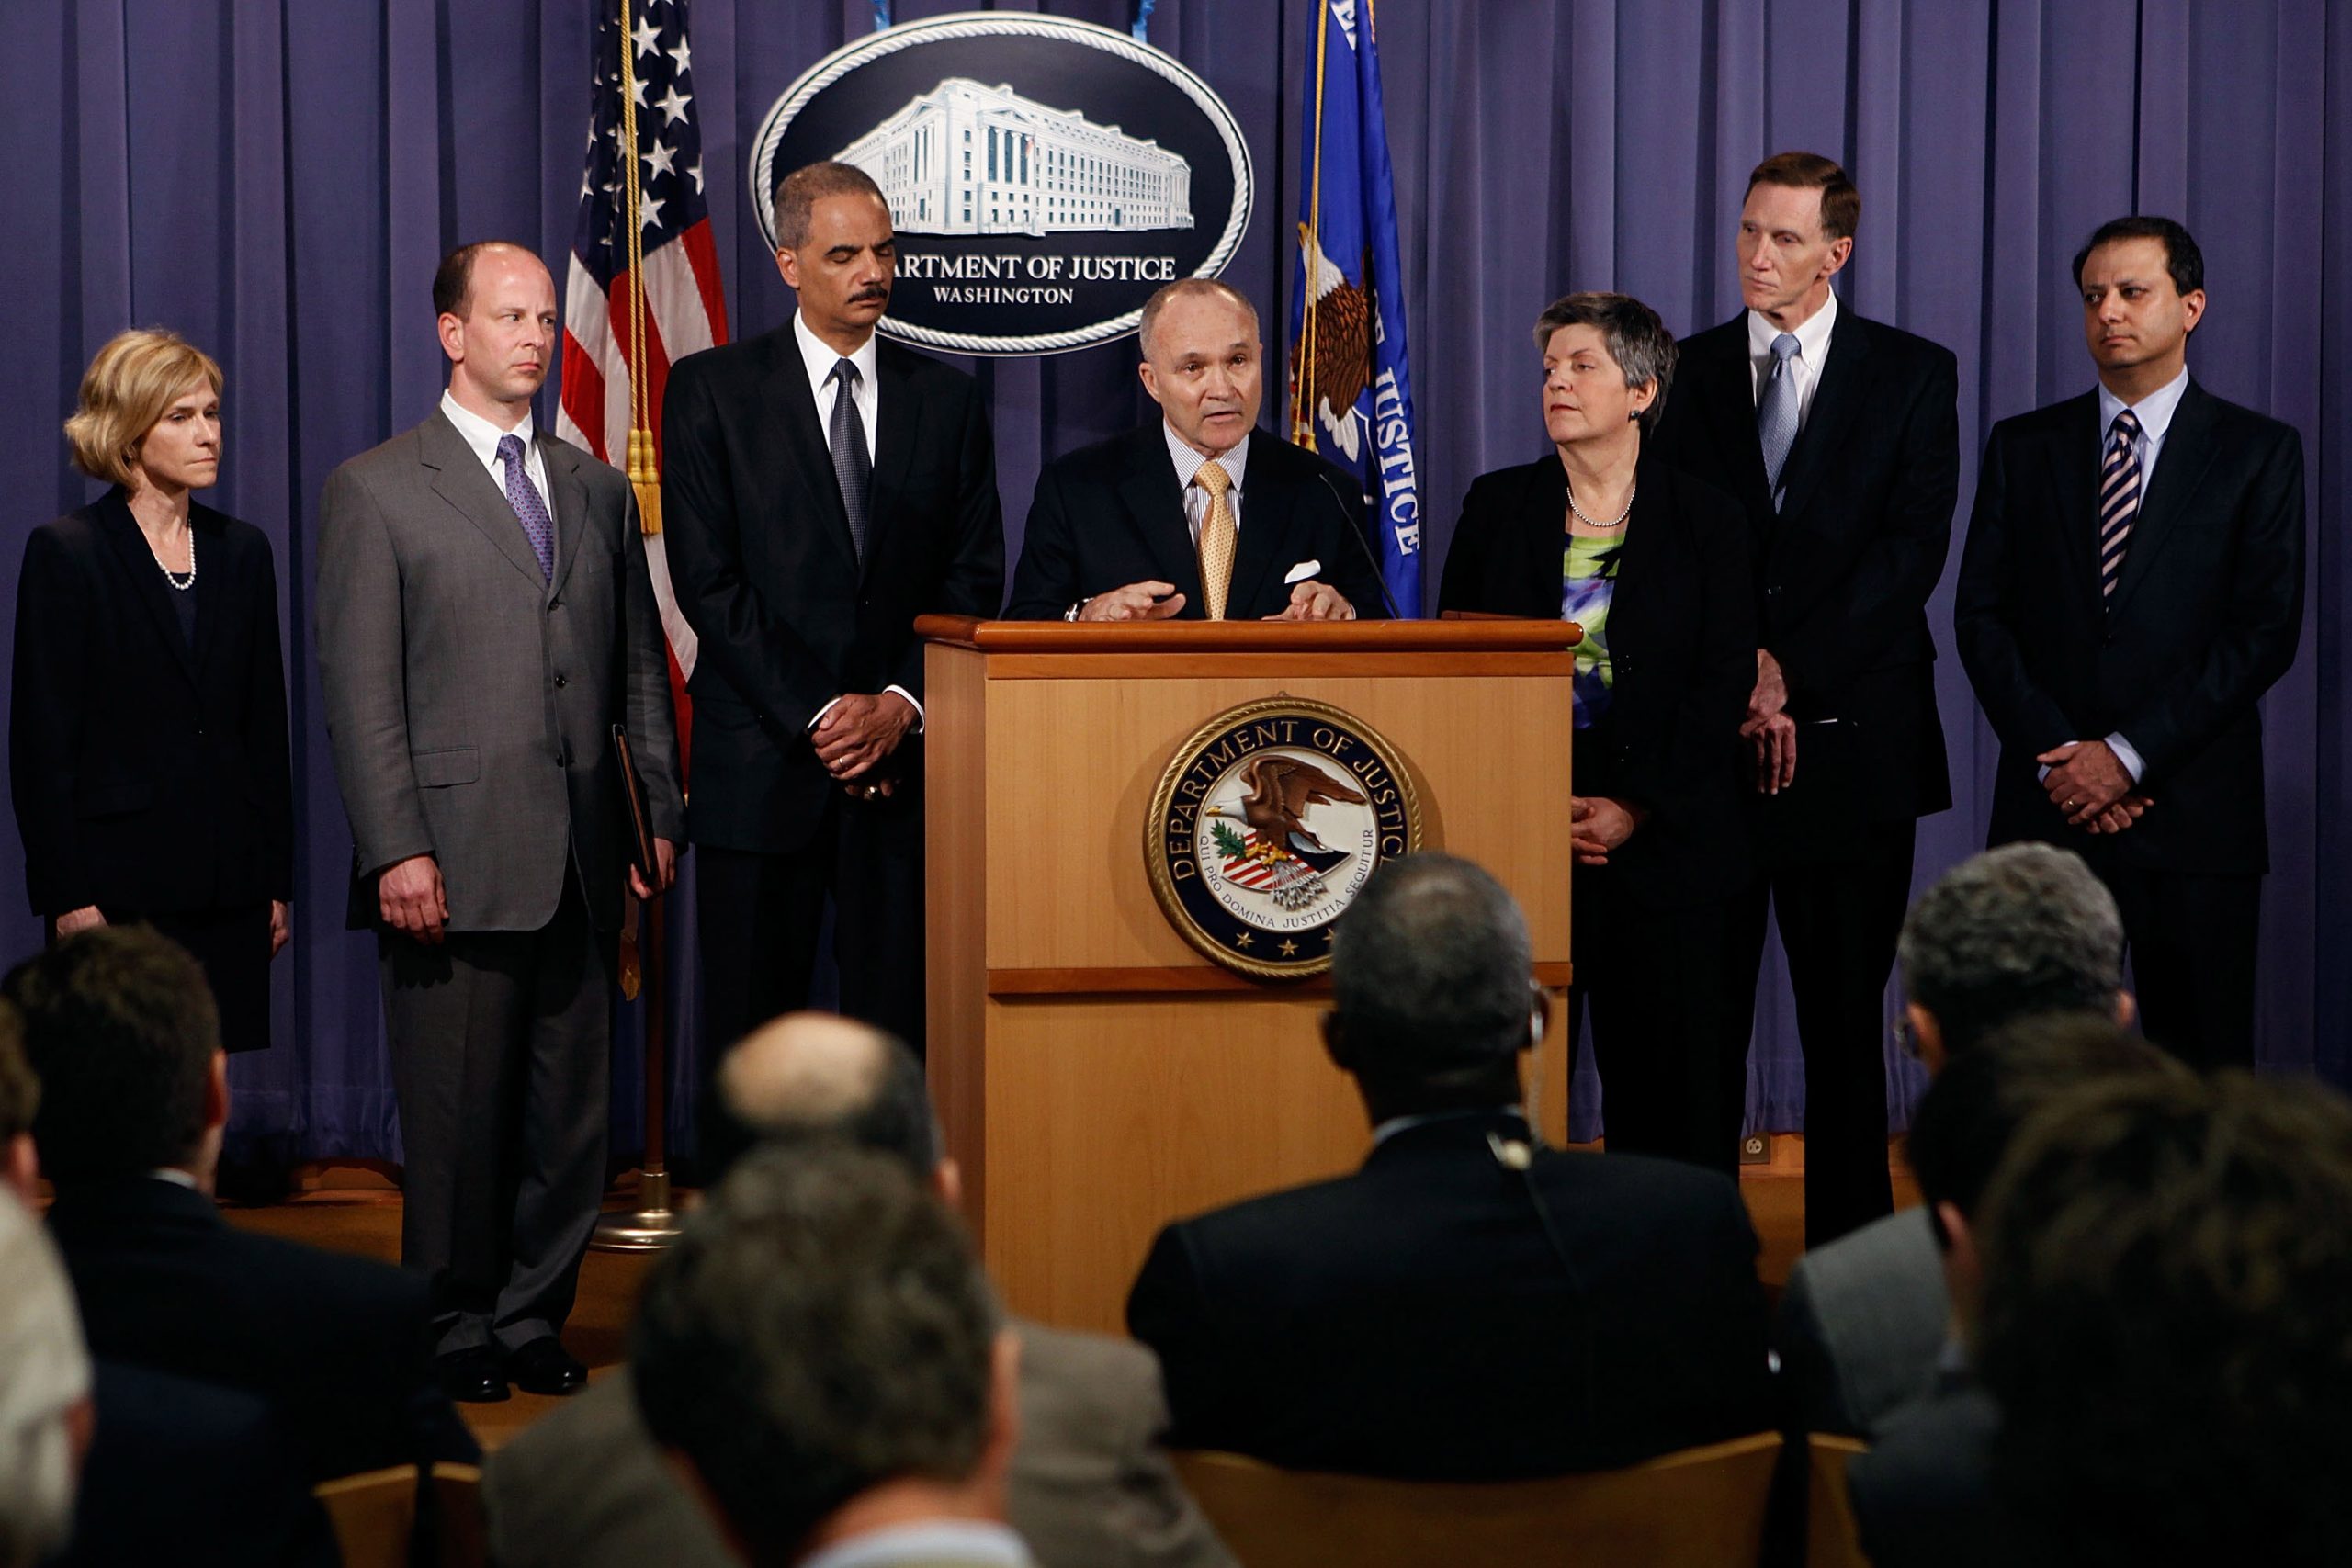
(860, 730)
(2091, 786)
(1598, 824)
(1769, 728)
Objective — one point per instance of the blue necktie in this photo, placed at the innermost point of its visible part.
(1775, 414)
(530, 508)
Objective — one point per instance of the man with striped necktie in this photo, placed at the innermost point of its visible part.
(2132, 584)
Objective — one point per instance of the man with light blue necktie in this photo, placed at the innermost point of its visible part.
(1839, 436)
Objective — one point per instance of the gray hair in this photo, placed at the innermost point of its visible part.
(1634, 334)
(822, 1327)
(798, 194)
(2021, 930)
(1185, 288)
(44, 1373)
(814, 1075)
(1431, 967)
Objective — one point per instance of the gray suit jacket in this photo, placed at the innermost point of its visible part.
(584, 1487)
(1862, 1324)
(470, 700)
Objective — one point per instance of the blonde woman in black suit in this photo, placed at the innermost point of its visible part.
(147, 719)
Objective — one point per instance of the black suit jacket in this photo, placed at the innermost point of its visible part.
(760, 552)
(1113, 513)
(1414, 1320)
(1681, 649)
(339, 1345)
(1844, 569)
(188, 1472)
(147, 774)
(2203, 621)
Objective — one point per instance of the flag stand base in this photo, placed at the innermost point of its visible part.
(651, 1227)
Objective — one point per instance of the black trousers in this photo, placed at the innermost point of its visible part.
(2193, 940)
(1838, 921)
(1654, 981)
(760, 916)
(502, 1062)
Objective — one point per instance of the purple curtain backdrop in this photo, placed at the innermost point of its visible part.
(277, 179)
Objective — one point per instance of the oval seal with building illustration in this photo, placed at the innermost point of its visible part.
(1266, 824)
(1045, 176)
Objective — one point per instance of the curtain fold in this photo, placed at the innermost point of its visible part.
(277, 179)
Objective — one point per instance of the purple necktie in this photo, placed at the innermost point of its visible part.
(529, 509)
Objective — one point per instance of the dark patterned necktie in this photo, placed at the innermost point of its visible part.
(853, 465)
(530, 507)
(2118, 499)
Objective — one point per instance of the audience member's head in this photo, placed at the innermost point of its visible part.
(20, 1099)
(822, 1350)
(45, 1419)
(1972, 1112)
(2021, 930)
(120, 1030)
(1432, 988)
(2167, 1321)
(816, 1074)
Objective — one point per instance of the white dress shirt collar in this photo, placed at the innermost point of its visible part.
(974, 1542)
(482, 436)
(821, 356)
(1813, 334)
(1236, 461)
(2153, 411)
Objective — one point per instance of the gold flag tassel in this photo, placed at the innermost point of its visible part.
(1310, 242)
(643, 469)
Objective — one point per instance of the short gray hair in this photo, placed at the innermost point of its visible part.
(822, 1327)
(2021, 930)
(1634, 336)
(798, 194)
(1185, 288)
(1431, 967)
(44, 1373)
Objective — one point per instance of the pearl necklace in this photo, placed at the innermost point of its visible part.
(186, 581)
(1588, 522)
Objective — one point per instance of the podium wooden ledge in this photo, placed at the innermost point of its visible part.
(1096, 1076)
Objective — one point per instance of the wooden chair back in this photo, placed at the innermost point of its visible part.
(1701, 1509)
(1831, 1537)
(374, 1517)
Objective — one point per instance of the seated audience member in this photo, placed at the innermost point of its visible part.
(2004, 935)
(45, 1408)
(584, 1487)
(821, 1352)
(1467, 1305)
(1919, 1494)
(2166, 1264)
(170, 1471)
(120, 1030)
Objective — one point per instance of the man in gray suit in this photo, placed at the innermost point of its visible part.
(2015, 932)
(1091, 1487)
(484, 620)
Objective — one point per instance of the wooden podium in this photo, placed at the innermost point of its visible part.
(1095, 1075)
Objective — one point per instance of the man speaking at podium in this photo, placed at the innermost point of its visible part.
(1198, 515)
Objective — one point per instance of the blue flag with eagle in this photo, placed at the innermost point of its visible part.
(1352, 385)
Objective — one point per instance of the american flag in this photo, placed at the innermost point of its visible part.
(683, 308)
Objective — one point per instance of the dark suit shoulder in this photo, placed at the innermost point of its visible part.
(933, 376)
(1900, 346)
(746, 359)
(2049, 418)
(2235, 422)
(1112, 458)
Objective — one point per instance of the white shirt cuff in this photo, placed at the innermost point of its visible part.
(917, 706)
(818, 717)
(2126, 754)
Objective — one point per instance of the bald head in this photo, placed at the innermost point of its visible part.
(813, 1075)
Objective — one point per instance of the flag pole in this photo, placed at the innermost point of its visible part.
(1302, 397)
(654, 1224)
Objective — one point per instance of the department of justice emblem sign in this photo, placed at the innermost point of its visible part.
(1267, 823)
(1045, 176)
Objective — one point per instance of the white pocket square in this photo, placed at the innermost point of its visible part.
(1304, 571)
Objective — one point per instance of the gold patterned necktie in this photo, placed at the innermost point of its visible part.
(1217, 534)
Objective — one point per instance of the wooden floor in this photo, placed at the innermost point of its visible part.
(355, 1209)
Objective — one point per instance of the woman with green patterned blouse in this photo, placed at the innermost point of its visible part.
(1652, 564)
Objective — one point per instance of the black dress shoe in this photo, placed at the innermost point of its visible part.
(545, 1367)
(474, 1376)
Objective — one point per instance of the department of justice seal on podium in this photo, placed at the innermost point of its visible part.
(1268, 821)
